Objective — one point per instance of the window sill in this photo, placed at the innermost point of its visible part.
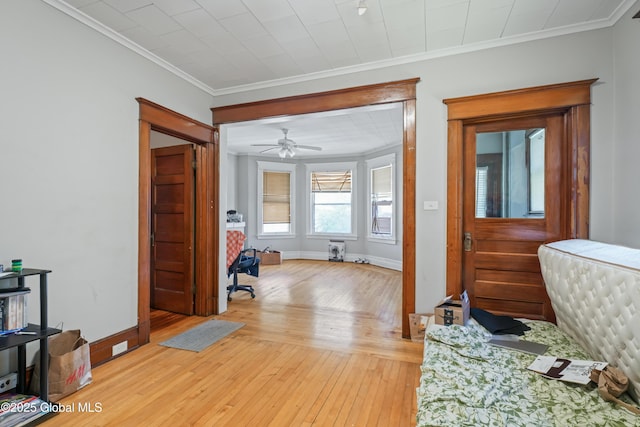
(275, 236)
(333, 236)
(386, 241)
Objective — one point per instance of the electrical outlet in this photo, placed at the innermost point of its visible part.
(8, 382)
(119, 348)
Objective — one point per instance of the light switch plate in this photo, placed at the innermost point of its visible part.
(431, 205)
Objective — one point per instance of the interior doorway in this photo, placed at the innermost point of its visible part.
(154, 117)
(401, 91)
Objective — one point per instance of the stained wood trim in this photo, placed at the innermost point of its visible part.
(173, 123)
(312, 103)
(520, 101)
(144, 232)
(574, 99)
(101, 351)
(398, 91)
(157, 117)
(454, 207)
(409, 220)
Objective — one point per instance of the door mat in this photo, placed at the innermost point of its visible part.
(202, 336)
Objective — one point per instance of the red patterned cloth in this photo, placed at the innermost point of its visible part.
(235, 243)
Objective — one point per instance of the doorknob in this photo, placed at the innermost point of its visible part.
(467, 242)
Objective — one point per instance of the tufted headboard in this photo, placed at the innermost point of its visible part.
(595, 292)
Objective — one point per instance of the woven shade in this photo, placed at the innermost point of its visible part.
(331, 182)
(276, 201)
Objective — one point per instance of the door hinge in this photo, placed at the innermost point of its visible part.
(467, 242)
(153, 240)
(194, 165)
(193, 288)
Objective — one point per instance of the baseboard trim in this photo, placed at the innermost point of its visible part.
(373, 260)
(102, 350)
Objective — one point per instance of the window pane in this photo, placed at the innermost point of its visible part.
(381, 200)
(332, 218)
(510, 174)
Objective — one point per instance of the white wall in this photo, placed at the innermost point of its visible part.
(626, 137)
(69, 171)
(561, 59)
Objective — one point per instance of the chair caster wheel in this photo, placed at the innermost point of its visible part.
(229, 298)
(253, 295)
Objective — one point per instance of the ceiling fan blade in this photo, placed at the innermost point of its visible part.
(309, 147)
(265, 145)
(268, 149)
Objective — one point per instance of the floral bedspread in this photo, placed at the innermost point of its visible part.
(467, 382)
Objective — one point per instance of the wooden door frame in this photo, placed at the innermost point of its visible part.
(573, 99)
(158, 118)
(403, 91)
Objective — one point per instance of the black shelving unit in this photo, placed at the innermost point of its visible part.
(32, 333)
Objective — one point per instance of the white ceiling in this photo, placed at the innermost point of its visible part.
(227, 46)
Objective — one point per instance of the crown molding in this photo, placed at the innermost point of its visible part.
(506, 41)
(129, 44)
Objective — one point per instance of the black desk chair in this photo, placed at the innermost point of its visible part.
(240, 261)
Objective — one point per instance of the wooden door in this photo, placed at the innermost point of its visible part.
(513, 180)
(172, 239)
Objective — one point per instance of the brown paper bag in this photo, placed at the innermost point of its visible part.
(69, 365)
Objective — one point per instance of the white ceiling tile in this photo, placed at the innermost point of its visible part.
(174, 7)
(372, 54)
(306, 54)
(329, 33)
(200, 23)
(438, 4)
(286, 29)
(487, 20)
(316, 11)
(527, 16)
(410, 13)
(144, 38)
(128, 5)
(370, 36)
(572, 11)
(340, 55)
(263, 47)
(269, 10)
(183, 41)
(225, 44)
(154, 20)
(445, 39)
(109, 16)
(282, 65)
(221, 9)
(244, 26)
(445, 18)
(407, 40)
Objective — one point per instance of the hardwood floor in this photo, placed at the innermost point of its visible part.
(321, 346)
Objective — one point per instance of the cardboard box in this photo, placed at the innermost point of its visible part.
(418, 325)
(453, 312)
(270, 258)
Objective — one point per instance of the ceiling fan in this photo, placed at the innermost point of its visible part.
(287, 146)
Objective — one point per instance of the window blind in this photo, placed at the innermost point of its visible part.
(333, 182)
(276, 201)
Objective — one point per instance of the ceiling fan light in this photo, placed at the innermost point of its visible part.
(362, 7)
(290, 152)
(282, 153)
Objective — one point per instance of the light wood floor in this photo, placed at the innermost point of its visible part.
(321, 346)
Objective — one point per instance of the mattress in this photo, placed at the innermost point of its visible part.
(467, 382)
(594, 289)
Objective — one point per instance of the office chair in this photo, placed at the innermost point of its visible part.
(239, 262)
